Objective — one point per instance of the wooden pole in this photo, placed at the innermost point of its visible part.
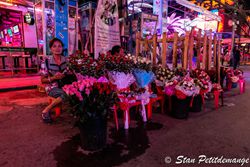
(182, 55)
(146, 44)
(154, 48)
(215, 51)
(204, 55)
(175, 50)
(198, 48)
(218, 61)
(164, 49)
(185, 58)
(209, 50)
(191, 49)
(138, 44)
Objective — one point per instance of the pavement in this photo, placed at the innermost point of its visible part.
(209, 138)
(19, 83)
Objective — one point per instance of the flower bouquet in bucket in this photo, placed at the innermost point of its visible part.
(91, 100)
(170, 86)
(233, 76)
(184, 92)
(162, 75)
(186, 88)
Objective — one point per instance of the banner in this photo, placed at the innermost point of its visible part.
(61, 13)
(107, 33)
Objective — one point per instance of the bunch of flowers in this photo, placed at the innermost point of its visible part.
(232, 75)
(202, 79)
(186, 88)
(86, 65)
(163, 74)
(203, 85)
(238, 73)
(217, 87)
(121, 79)
(143, 77)
(91, 97)
(229, 72)
(140, 62)
(142, 70)
(116, 63)
(200, 74)
(170, 86)
(180, 72)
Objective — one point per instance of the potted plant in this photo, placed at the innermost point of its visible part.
(92, 99)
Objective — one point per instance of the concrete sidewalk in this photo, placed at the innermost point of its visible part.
(19, 83)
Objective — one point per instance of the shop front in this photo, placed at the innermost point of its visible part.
(18, 40)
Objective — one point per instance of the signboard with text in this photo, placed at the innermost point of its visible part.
(107, 33)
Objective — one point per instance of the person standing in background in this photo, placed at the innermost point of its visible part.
(236, 54)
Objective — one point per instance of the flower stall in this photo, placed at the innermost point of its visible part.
(118, 83)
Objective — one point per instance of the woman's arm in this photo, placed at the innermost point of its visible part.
(46, 80)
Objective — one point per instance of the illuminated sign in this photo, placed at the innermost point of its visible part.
(211, 4)
(206, 24)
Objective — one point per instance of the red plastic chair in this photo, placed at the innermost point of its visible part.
(125, 107)
(242, 85)
(160, 97)
(217, 94)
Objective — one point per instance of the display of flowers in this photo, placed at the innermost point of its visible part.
(234, 75)
(116, 63)
(202, 84)
(163, 74)
(90, 97)
(76, 61)
(170, 86)
(200, 74)
(140, 62)
(180, 72)
(202, 79)
(238, 73)
(186, 88)
(86, 65)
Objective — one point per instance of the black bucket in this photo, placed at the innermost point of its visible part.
(196, 105)
(180, 107)
(93, 134)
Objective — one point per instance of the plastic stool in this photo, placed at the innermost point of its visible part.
(56, 110)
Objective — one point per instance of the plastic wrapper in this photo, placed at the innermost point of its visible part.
(143, 78)
(120, 79)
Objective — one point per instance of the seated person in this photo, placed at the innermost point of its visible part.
(117, 50)
(52, 76)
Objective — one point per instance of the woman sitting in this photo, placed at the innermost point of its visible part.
(55, 68)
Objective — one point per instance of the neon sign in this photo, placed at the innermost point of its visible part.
(211, 4)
